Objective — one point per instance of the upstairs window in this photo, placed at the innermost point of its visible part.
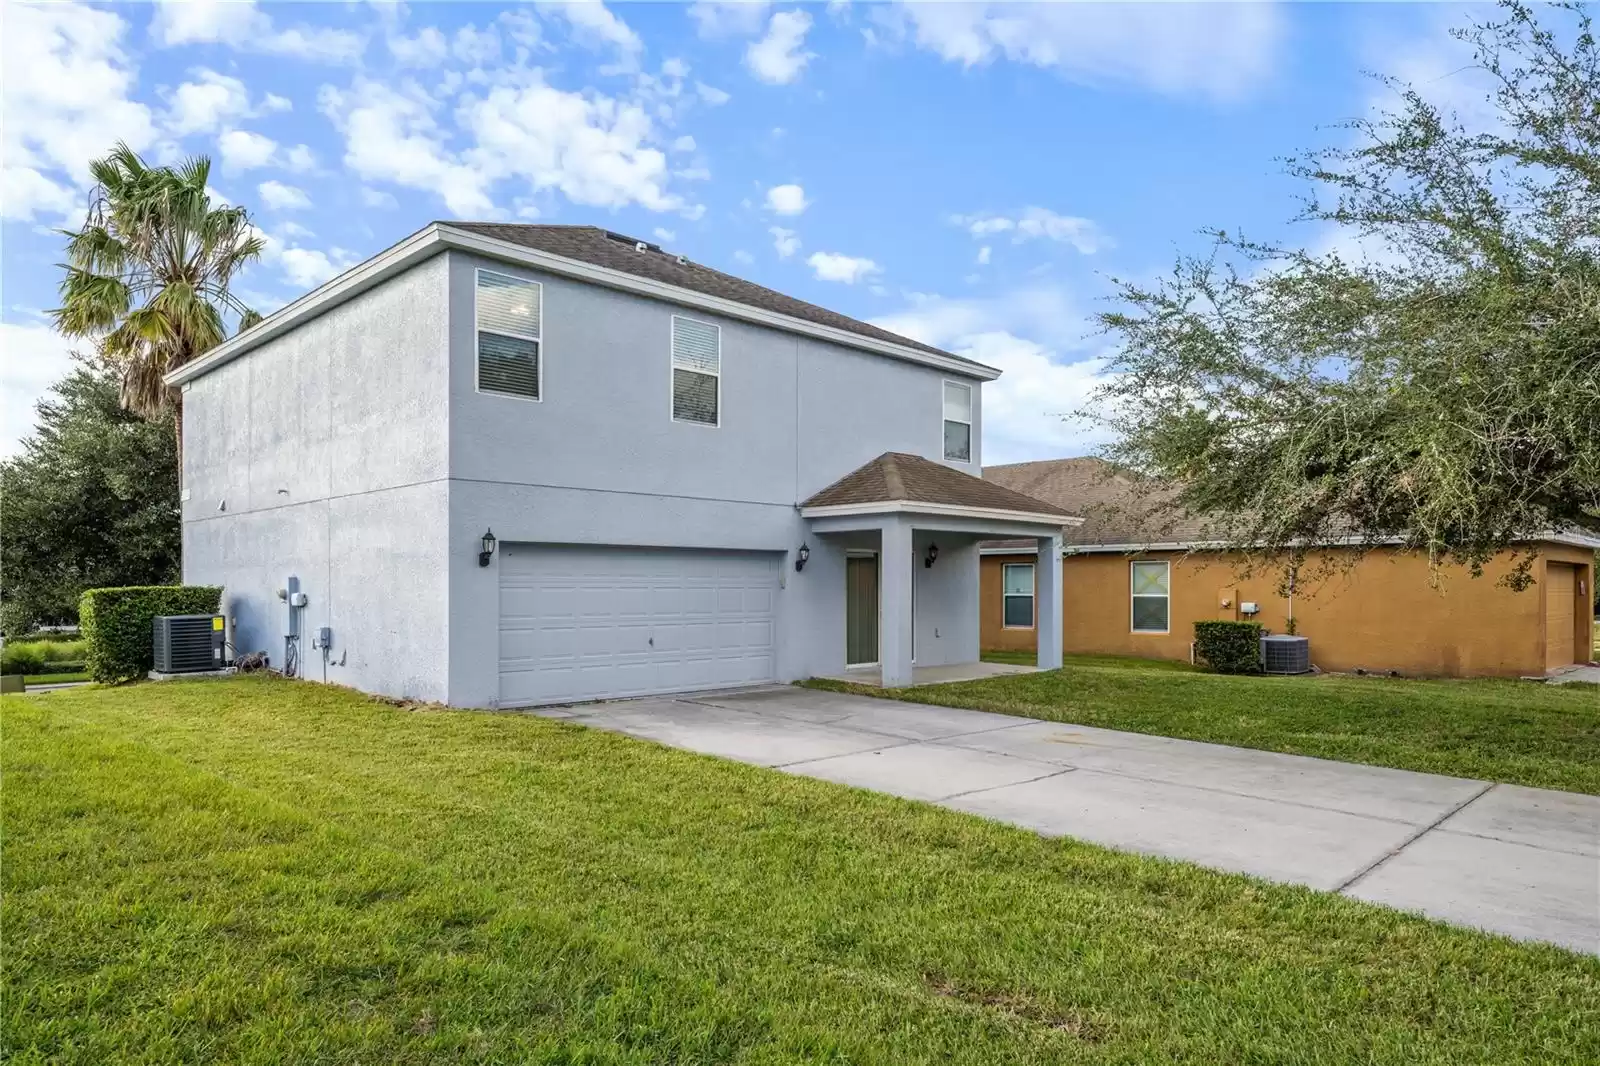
(957, 422)
(508, 311)
(1152, 589)
(696, 372)
(1017, 589)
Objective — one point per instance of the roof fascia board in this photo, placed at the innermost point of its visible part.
(950, 510)
(495, 248)
(426, 242)
(1571, 540)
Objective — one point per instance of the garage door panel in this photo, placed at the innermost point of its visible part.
(593, 623)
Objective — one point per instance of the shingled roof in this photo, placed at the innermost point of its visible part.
(600, 247)
(896, 477)
(1116, 509)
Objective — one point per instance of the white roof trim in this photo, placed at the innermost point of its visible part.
(1571, 540)
(950, 510)
(437, 237)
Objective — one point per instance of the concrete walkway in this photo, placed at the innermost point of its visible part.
(1519, 861)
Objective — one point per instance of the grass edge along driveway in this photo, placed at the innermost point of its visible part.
(1518, 732)
(259, 871)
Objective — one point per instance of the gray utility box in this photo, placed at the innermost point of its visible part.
(1283, 654)
(189, 643)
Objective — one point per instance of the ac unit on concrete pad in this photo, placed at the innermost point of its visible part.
(189, 643)
(1283, 654)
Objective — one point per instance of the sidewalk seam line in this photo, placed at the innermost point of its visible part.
(1414, 837)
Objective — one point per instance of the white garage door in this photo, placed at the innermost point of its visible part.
(598, 623)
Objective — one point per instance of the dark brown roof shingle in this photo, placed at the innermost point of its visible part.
(1116, 509)
(599, 247)
(898, 476)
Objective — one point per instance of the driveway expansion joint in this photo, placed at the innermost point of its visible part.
(1008, 784)
(1393, 852)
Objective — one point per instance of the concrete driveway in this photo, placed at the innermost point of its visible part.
(1519, 861)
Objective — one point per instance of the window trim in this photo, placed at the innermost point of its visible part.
(1033, 597)
(477, 359)
(673, 368)
(1132, 564)
(972, 400)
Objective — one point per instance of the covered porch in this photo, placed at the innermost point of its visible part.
(909, 530)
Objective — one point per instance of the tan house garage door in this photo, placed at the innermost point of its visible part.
(1560, 615)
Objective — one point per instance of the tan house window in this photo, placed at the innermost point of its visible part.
(1152, 602)
(1017, 590)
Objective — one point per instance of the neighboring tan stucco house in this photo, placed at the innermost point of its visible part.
(692, 481)
(1131, 590)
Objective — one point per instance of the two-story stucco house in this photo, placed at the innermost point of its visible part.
(501, 465)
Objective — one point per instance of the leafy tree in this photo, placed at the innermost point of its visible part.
(149, 272)
(1441, 386)
(91, 501)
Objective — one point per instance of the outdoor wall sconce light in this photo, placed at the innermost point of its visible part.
(800, 558)
(488, 548)
(933, 556)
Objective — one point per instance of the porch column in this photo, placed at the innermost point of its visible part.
(1048, 591)
(894, 627)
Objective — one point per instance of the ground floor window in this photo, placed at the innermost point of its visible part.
(1017, 590)
(1152, 585)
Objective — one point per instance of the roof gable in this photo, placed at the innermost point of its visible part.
(898, 477)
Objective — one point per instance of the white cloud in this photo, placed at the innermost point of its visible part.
(300, 158)
(594, 25)
(784, 241)
(831, 266)
(683, 144)
(244, 150)
(427, 48)
(779, 57)
(664, 235)
(378, 198)
(208, 103)
(309, 267)
(393, 136)
(983, 255)
(593, 149)
(65, 88)
(742, 256)
(1030, 336)
(36, 358)
(1037, 223)
(786, 199)
(280, 197)
(476, 47)
(1218, 50)
(242, 25)
(711, 95)
(728, 18)
(273, 102)
(674, 68)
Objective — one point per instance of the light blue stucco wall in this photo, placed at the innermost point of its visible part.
(323, 455)
(599, 461)
(355, 453)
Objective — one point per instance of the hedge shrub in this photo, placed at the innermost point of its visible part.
(1229, 647)
(116, 624)
(41, 657)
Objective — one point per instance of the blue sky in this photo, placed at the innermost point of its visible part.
(970, 174)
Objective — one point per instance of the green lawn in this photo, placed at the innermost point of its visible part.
(259, 871)
(1547, 736)
(51, 679)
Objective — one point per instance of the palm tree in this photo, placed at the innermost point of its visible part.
(148, 274)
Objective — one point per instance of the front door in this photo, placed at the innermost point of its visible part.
(861, 610)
